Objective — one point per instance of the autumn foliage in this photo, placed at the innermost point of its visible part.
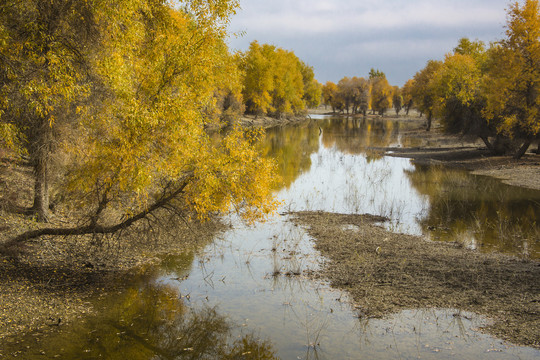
(276, 82)
(357, 95)
(110, 101)
(492, 93)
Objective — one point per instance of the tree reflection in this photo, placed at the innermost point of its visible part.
(291, 147)
(358, 135)
(479, 211)
(153, 322)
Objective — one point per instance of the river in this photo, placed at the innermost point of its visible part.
(248, 294)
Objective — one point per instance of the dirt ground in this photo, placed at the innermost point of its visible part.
(386, 272)
(50, 282)
(247, 121)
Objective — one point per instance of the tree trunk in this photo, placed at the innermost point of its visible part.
(489, 145)
(41, 191)
(522, 150)
(41, 150)
(429, 117)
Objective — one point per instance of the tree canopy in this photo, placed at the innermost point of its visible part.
(276, 82)
(123, 90)
(492, 93)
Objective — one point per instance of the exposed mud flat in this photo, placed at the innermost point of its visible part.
(387, 272)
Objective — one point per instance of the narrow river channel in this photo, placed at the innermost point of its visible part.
(247, 295)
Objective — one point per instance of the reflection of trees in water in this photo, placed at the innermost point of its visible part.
(479, 211)
(153, 323)
(355, 136)
(291, 147)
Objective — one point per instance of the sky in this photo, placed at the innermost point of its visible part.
(349, 37)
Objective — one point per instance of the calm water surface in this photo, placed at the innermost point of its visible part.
(244, 296)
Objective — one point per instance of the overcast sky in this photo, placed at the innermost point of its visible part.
(348, 37)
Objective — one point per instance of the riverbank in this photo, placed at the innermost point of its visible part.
(247, 121)
(51, 281)
(385, 273)
(470, 153)
(437, 148)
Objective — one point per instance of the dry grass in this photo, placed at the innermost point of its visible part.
(386, 272)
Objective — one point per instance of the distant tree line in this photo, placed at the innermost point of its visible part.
(358, 95)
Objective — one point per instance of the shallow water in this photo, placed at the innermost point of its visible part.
(246, 295)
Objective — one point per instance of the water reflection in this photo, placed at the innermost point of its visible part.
(291, 148)
(479, 212)
(251, 285)
(148, 322)
(250, 275)
(358, 136)
(329, 164)
(345, 183)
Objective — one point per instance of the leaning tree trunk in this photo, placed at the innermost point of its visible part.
(522, 150)
(489, 145)
(41, 153)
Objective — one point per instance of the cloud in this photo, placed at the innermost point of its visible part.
(338, 33)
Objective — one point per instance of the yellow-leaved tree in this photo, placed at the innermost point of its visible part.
(44, 75)
(512, 85)
(459, 101)
(381, 92)
(140, 142)
(329, 94)
(288, 84)
(258, 66)
(424, 91)
(275, 80)
(406, 93)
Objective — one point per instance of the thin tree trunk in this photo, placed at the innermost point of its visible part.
(429, 118)
(41, 190)
(489, 145)
(41, 159)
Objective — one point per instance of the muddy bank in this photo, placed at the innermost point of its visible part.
(469, 153)
(51, 281)
(386, 272)
(265, 122)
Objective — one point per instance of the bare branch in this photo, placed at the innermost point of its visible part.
(94, 228)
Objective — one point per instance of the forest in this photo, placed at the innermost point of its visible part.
(144, 209)
(111, 103)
